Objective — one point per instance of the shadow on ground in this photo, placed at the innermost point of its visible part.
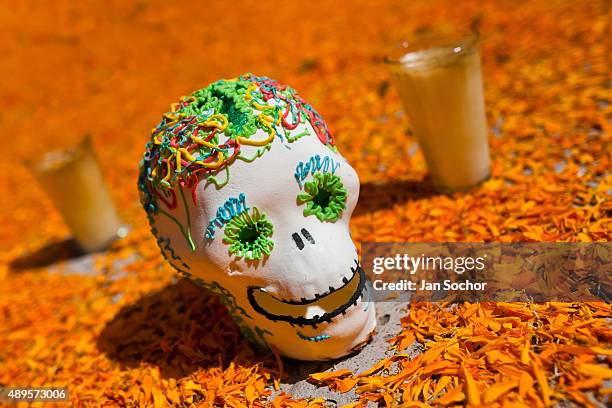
(47, 255)
(379, 196)
(183, 328)
(180, 329)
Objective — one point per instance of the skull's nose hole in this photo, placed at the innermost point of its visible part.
(298, 240)
(307, 235)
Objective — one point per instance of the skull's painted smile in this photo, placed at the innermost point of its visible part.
(322, 308)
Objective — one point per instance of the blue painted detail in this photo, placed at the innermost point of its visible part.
(314, 164)
(232, 207)
(318, 338)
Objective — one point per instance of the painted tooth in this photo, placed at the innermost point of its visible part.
(314, 326)
(345, 279)
(303, 300)
(331, 289)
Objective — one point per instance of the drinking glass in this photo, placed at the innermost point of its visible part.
(438, 78)
(73, 181)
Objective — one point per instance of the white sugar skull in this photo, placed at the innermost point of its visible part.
(247, 195)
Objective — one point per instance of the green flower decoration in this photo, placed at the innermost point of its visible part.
(249, 235)
(226, 98)
(325, 197)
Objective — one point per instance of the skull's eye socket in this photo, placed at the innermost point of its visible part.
(325, 197)
(248, 235)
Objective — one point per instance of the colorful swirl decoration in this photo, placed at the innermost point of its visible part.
(203, 133)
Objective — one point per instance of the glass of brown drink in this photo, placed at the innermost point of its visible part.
(73, 181)
(438, 78)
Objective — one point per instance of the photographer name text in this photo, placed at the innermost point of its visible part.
(423, 285)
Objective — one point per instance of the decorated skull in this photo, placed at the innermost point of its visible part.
(248, 196)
